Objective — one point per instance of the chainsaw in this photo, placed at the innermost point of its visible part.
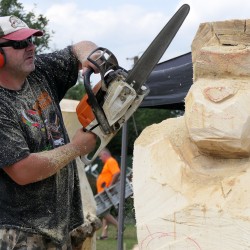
(105, 108)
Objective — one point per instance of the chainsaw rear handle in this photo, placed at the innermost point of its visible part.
(95, 121)
(92, 101)
(104, 140)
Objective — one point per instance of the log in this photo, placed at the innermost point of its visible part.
(92, 222)
(191, 174)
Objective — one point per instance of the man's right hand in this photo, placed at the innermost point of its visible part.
(84, 141)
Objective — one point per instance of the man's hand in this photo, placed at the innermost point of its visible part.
(89, 65)
(84, 141)
(82, 50)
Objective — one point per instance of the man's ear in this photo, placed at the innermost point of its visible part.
(2, 58)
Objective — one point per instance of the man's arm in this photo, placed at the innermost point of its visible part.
(39, 166)
(115, 178)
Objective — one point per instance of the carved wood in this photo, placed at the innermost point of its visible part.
(191, 174)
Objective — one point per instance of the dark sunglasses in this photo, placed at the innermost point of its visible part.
(18, 44)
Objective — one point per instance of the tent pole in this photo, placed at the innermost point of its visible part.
(122, 185)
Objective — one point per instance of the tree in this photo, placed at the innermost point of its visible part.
(76, 92)
(13, 7)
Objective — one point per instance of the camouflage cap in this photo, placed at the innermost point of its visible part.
(13, 28)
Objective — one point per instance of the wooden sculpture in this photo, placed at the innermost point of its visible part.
(192, 173)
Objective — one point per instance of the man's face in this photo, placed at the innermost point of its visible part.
(20, 61)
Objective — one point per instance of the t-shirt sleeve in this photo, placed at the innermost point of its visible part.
(60, 68)
(113, 166)
(13, 144)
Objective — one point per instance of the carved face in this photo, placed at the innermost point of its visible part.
(218, 117)
(217, 106)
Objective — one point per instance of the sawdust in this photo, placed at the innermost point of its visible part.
(60, 157)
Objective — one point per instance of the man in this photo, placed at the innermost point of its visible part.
(108, 177)
(40, 202)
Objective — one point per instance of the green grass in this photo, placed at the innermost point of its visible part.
(129, 239)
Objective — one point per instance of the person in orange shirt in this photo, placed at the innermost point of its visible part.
(108, 177)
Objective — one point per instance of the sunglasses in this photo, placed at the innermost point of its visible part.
(18, 44)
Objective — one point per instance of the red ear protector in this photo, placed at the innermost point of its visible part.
(2, 58)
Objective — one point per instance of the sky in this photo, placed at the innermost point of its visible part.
(127, 27)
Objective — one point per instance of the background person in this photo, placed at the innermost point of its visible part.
(108, 177)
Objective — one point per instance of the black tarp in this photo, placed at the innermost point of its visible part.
(169, 83)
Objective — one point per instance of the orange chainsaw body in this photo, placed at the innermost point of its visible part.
(84, 110)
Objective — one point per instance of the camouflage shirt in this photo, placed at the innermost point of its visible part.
(31, 121)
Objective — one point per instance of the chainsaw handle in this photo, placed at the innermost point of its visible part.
(96, 108)
(87, 74)
(87, 161)
(103, 131)
(103, 142)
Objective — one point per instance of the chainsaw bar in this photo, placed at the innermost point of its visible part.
(146, 63)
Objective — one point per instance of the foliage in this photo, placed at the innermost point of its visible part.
(13, 7)
(76, 92)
